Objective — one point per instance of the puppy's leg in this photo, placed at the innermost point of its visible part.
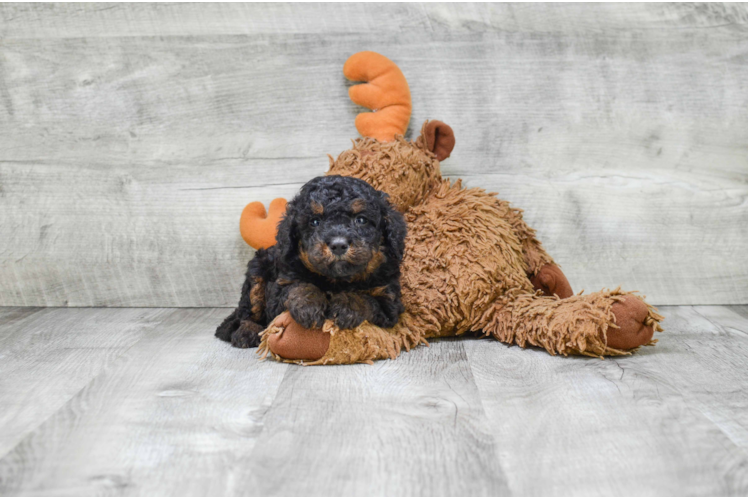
(307, 304)
(388, 313)
(239, 327)
(350, 309)
(243, 325)
(380, 307)
(229, 326)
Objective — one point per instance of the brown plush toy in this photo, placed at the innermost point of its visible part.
(471, 263)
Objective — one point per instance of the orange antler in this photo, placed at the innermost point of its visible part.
(258, 227)
(386, 93)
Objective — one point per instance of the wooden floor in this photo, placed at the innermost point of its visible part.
(147, 402)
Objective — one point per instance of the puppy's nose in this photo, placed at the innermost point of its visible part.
(338, 245)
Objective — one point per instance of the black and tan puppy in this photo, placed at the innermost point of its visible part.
(337, 256)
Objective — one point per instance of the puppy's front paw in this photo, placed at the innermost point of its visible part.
(349, 310)
(310, 315)
(307, 305)
(347, 320)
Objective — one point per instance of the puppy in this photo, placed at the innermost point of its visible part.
(337, 256)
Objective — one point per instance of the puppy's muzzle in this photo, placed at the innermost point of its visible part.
(338, 245)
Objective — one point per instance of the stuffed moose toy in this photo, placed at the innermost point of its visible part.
(470, 265)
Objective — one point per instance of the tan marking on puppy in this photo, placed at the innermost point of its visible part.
(376, 260)
(257, 298)
(305, 260)
(380, 291)
(317, 208)
(357, 255)
(320, 248)
(284, 281)
(358, 205)
(326, 252)
(376, 292)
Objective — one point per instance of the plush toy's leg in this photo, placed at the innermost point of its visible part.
(287, 341)
(544, 274)
(551, 281)
(601, 323)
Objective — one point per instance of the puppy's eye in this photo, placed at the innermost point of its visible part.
(361, 220)
(314, 222)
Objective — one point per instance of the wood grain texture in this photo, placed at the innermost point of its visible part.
(413, 427)
(115, 20)
(672, 420)
(178, 412)
(47, 356)
(132, 135)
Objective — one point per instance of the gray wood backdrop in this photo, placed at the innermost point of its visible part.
(131, 136)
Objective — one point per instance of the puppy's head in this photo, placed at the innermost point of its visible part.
(343, 229)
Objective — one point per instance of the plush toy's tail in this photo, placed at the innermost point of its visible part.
(258, 227)
(386, 93)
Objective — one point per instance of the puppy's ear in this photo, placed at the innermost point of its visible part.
(394, 230)
(288, 236)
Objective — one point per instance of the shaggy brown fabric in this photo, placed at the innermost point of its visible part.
(583, 324)
(286, 341)
(577, 325)
(468, 261)
(407, 173)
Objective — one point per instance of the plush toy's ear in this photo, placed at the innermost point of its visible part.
(394, 230)
(439, 138)
(258, 227)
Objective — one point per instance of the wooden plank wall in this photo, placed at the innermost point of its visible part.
(132, 135)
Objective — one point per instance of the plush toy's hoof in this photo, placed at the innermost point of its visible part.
(551, 280)
(635, 330)
(297, 342)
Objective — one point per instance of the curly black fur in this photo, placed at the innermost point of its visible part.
(337, 256)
